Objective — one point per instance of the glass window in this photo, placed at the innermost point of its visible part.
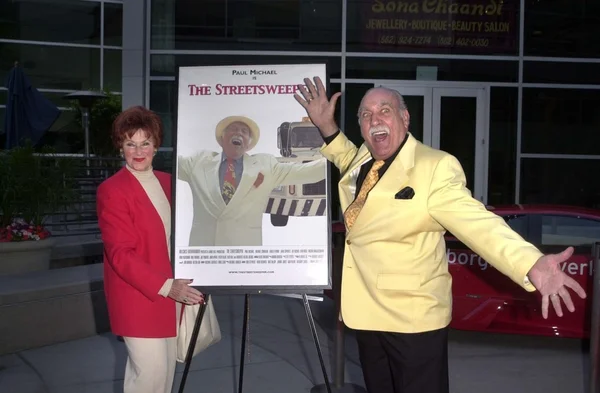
(569, 231)
(58, 99)
(113, 69)
(69, 21)
(113, 24)
(54, 67)
(447, 70)
(562, 28)
(353, 95)
(334, 173)
(560, 181)
(502, 145)
(247, 24)
(458, 132)
(67, 122)
(518, 223)
(163, 161)
(416, 109)
(481, 27)
(166, 65)
(559, 72)
(2, 130)
(335, 88)
(65, 135)
(561, 121)
(163, 101)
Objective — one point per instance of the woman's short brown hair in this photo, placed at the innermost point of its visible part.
(131, 120)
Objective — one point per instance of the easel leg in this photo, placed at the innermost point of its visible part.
(313, 328)
(192, 346)
(244, 334)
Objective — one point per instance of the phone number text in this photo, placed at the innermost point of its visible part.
(428, 40)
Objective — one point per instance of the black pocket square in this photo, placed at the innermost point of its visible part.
(405, 193)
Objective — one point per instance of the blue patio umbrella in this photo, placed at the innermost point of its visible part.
(28, 113)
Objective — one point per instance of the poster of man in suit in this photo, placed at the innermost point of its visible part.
(251, 205)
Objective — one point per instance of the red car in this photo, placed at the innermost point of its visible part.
(486, 300)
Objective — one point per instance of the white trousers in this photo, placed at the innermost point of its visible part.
(150, 363)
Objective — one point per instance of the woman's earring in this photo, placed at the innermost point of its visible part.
(122, 155)
(154, 153)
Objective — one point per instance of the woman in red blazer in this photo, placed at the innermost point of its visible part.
(134, 214)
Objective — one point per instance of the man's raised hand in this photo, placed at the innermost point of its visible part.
(319, 108)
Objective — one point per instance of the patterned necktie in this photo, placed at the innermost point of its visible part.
(355, 207)
(229, 182)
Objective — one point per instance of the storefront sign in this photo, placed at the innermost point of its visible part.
(441, 26)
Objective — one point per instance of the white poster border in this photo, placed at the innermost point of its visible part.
(291, 289)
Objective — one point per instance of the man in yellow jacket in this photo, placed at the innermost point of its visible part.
(399, 197)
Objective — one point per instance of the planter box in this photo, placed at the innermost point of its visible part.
(50, 307)
(25, 256)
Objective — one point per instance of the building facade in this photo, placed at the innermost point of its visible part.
(62, 46)
(508, 86)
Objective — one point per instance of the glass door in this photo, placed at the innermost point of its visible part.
(418, 100)
(453, 119)
(458, 128)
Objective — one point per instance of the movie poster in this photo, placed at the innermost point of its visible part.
(251, 195)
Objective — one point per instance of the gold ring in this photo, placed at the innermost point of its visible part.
(554, 294)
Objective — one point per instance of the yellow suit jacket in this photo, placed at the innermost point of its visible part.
(238, 223)
(395, 275)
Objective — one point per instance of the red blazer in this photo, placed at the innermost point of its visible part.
(136, 260)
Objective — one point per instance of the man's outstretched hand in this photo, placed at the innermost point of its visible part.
(549, 279)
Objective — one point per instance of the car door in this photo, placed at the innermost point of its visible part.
(484, 299)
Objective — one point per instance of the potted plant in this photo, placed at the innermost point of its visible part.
(32, 186)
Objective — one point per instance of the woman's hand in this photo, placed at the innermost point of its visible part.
(182, 292)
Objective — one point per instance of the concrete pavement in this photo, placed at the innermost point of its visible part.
(281, 357)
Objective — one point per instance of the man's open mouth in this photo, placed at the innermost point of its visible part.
(237, 141)
(379, 133)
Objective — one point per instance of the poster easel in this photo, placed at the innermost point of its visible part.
(252, 200)
(188, 359)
